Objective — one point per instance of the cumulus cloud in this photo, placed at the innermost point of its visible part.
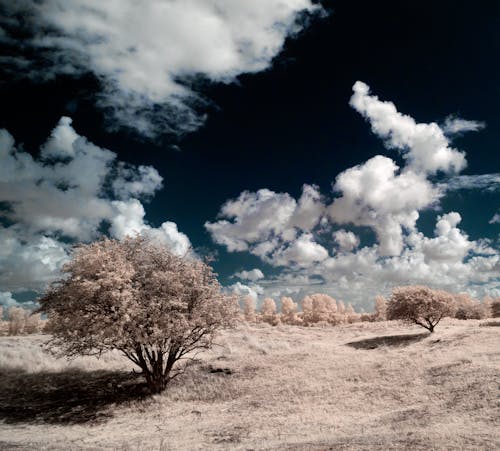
(253, 275)
(68, 194)
(449, 260)
(29, 264)
(345, 240)
(6, 300)
(146, 53)
(302, 252)
(241, 289)
(425, 146)
(379, 195)
(273, 226)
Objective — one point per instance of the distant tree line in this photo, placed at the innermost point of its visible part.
(315, 309)
(415, 304)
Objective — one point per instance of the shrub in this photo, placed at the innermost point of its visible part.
(420, 305)
(366, 317)
(139, 298)
(495, 308)
(468, 308)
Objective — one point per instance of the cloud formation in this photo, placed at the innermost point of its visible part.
(273, 226)
(377, 195)
(424, 146)
(72, 192)
(456, 126)
(148, 53)
(253, 275)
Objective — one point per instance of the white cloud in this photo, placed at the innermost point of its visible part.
(29, 264)
(241, 289)
(425, 146)
(255, 217)
(450, 260)
(64, 194)
(145, 51)
(450, 243)
(495, 219)
(303, 252)
(378, 195)
(253, 275)
(273, 226)
(345, 240)
(456, 126)
(169, 234)
(6, 300)
(310, 208)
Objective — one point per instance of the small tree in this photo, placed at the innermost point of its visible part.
(380, 308)
(137, 297)
(307, 310)
(17, 317)
(249, 309)
(288, 310)
(351, 315)
(420, 305)
(268, 312)
(33, 323)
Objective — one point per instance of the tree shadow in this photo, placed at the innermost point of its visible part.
(387, 340)
(67, 397)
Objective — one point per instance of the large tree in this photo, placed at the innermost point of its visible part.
(420, 305)
(136, 296)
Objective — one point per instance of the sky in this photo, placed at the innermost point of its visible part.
(342, 147)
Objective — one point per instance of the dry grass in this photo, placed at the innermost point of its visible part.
(373, 386)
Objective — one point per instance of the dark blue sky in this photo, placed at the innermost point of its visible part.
(291, 123)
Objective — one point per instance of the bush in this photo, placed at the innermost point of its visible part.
(468, 308)
(420, 305)
(139, 298)
(495, 308)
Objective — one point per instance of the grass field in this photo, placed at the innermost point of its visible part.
(364, 386)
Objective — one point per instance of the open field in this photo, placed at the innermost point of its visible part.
(346, 387)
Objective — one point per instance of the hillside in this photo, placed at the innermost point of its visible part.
(361, 386)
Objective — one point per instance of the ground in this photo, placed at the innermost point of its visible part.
(364, 386)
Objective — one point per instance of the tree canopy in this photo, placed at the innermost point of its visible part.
(140, 298)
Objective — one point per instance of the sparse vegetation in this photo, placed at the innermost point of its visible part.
(364, 386)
